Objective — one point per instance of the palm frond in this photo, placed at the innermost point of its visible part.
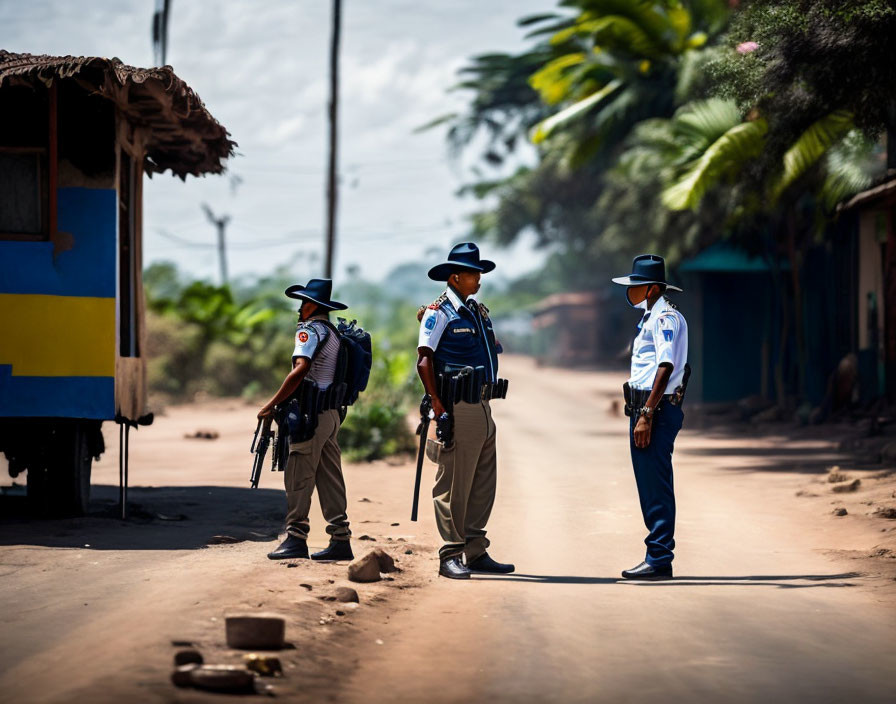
(810, 147)
(725, 157)
(545, 128)
(850, 167)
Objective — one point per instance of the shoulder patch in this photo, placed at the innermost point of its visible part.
(435, 305)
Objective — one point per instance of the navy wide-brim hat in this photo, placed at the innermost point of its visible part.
(462, 256)
(317, 291)
(646, 269)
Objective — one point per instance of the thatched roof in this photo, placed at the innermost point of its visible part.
(181, 134)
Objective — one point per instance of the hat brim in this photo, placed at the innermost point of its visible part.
(629, 281)
(296, 292)
(442, 272)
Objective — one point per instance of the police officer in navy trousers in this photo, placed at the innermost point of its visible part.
(657, 384)
(456, 332)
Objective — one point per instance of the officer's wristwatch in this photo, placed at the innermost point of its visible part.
(648, 412)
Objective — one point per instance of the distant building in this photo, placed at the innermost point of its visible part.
(581, 328)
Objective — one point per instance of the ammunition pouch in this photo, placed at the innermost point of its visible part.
(300, 413)
(471, 388)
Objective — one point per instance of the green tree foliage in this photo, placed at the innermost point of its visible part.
(201, 338)
(598, 68)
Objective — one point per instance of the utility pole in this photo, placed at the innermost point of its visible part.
(160, 30)
(220, 224)
(334, 114)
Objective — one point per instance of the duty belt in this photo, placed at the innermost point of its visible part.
(470, 388)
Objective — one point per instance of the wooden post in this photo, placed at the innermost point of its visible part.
(334, 114)
(52, 162)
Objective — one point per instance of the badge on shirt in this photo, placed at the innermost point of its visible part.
(460, 330)
(430, 322)
(302, 336)
(667, 334)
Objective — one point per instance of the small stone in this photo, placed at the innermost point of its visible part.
(835, 476)
(264, 665)
(844, 488)
(840, 511)
(203, 434)
(346, 594)
(255, 631)
(367, 537)
(307, 586)
(223, 678)
(395, 524)
(187, 657)
(365, 569)
(291, 564)
(340, 613)
(408, 552)
(365, 500)
(886, 512)
(181, 676)
(387, 564)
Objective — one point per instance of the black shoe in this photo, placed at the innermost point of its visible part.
(336, 550)
(292, 548)
(484, 563)
(453, 568)
(649, 572)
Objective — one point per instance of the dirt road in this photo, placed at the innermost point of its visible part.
(761, 609)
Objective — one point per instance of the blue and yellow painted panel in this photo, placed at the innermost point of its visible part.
(58, 315)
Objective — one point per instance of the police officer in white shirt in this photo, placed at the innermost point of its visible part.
(656, 389)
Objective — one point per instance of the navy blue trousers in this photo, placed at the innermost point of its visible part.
(653, 474)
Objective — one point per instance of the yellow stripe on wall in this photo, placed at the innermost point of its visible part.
(57, 335)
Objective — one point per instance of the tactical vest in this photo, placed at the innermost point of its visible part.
(463, 343)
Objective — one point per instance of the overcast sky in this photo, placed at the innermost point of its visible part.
(261, 69)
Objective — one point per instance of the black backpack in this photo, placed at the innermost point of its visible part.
(354, 360)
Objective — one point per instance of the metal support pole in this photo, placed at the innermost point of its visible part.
(123, 435)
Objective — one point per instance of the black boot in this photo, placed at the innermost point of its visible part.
(453, 568)
(292, 548)
(649, 572)
(336, 550)
(484, 563)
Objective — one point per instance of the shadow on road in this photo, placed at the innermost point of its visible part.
(793, 581)
(159, 518)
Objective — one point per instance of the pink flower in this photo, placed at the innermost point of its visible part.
(747, 47)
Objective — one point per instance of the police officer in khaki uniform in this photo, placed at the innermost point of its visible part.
(316, 461)
(455, 332)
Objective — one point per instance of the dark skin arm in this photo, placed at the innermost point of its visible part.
(427, 372)
(645, 424)
(300, 368)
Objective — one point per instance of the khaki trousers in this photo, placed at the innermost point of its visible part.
(464, 492)
(317, 462)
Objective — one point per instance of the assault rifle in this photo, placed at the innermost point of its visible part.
(259, 448)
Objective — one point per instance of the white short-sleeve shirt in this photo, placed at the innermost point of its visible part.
(315, 341)
(434, 322)
(662, 338)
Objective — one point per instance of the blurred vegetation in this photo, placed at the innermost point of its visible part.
(206, 339)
